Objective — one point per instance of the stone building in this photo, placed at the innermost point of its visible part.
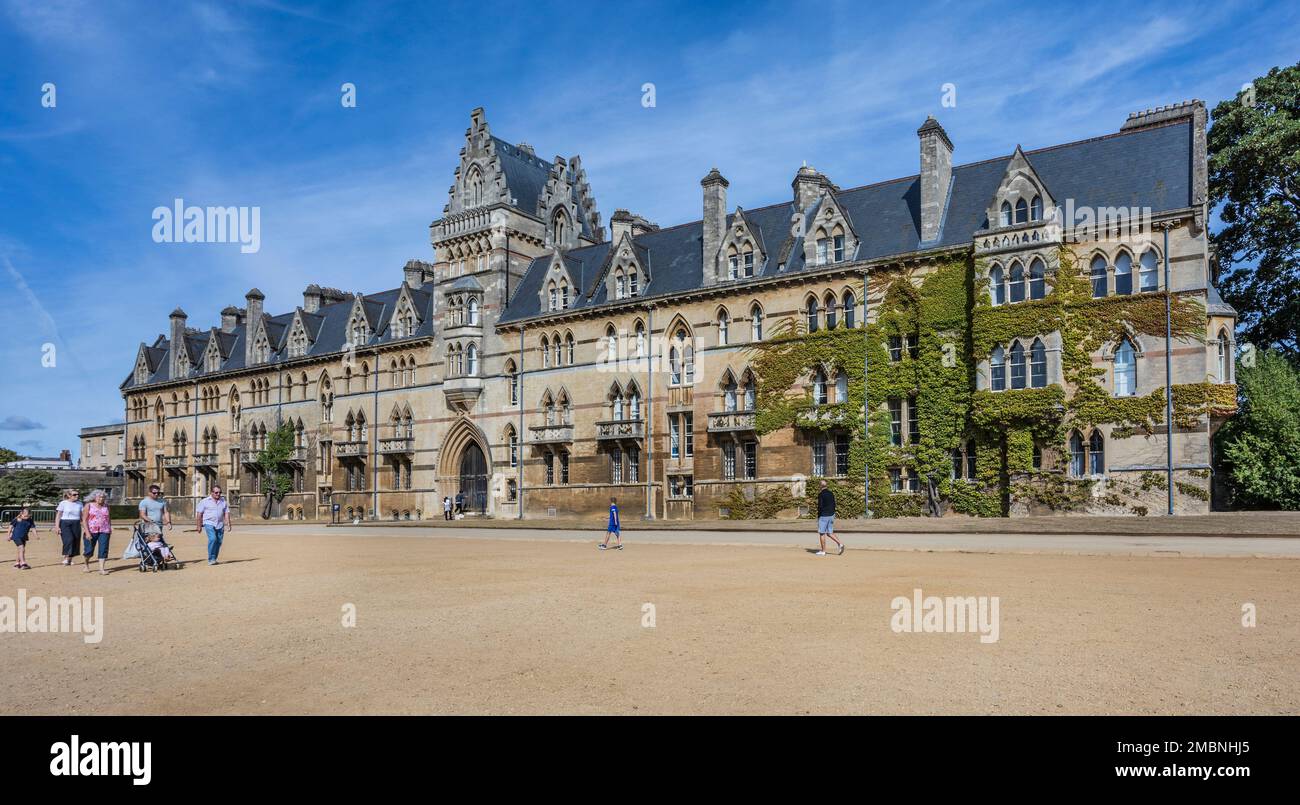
(103, 447)
(544, 362)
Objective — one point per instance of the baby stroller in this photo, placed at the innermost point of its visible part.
(149, 559)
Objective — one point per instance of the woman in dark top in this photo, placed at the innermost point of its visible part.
(19, 528)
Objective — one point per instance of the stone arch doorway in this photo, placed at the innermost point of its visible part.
(474, 478)
(465, 466)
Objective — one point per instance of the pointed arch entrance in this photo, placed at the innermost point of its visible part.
(465, 466)
(474, 478)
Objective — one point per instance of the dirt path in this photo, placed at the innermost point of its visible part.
(496, 626)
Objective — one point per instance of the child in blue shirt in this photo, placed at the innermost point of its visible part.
(612, 530)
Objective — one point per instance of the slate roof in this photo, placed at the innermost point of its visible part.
(526, 178)
(327, 328)
(1149, 167)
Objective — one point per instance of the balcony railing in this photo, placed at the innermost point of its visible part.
(731, 421)
(298, 454)
(205, 459)
(621, 429)
(135, 464)
(397, 444)
(552, 434)
(821, 415)
(173, 462)
(350, 449)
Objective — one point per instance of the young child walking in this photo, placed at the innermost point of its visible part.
(612, 530)
(19, 529)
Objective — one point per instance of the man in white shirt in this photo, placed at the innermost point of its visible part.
(213, 516)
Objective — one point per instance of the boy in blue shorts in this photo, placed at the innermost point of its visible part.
(612, 529)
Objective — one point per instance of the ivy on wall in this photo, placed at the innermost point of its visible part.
(948, 313)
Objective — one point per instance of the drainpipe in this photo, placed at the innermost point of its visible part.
(374, 450)
(1169, 379)
(866, 406)
(650, 417)
(519, 440)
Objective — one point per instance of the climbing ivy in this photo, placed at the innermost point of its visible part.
(949, 318)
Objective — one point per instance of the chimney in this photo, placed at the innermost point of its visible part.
(624, 221)
(254, 306)
(179, 356)
(311, 298)
(936, 176)
(231, 318)
(715, 221)
(808, 185)
(65, 455)
(417, 272)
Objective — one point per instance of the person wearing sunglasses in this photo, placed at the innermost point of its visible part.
(213, 517)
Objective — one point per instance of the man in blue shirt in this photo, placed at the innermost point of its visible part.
(612, 529)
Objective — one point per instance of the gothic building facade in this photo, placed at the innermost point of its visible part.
(541, 363)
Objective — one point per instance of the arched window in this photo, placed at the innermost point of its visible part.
(1224, 358)
(560, 227)
(471, 362)
(1123, 274)
(611, 344)
(633, 403)
(1076, 455)
(674, 365)
(812, 314)
(686, 367)
(512, 444)
(1098, 274)
(556, 349)
(512, 376)
(1017, 366)
(1037, 364)
(1017, 282)
(554, 297)
(1004, 219)
(1037, 284)
(729, 393)
(616, 403)
(751, 391)
(568, 348)
(640, 340)
(564, 294)
(850, 309)
(819, 388)
(1022, 212)
(620, 284)
(1149, 274)
(724, 326)
(997, 290)
(632, 281)
(830, 311)
(1097, 454)
(473, 312)
(756, 323)
(546, 352)
(841, 387)
(1036, 209)
(1125, 369)
(998, 366)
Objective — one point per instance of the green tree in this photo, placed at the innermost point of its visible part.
(1259, 448)
(7, 455)
(28, 486)
(1254, 150)
(271, 462)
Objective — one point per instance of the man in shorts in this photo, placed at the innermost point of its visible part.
(826, 520)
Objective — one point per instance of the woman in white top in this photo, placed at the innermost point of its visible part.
(68, 522)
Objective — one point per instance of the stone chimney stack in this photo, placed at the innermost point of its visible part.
(253, 299)
(417, 272)
(624, 221)
(936, 176)
(715, 221)
(311, 298)
(179, 356)
(808, 185)
(231, 318)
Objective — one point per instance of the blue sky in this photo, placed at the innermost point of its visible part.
(237, 103)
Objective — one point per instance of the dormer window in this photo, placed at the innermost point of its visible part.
(837, 244)
(1036, 209)
(620, 285)
(564, 297)
(359, 332)
(632, 283)
(823, 250)
(1004, 217)
(1022, 212)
